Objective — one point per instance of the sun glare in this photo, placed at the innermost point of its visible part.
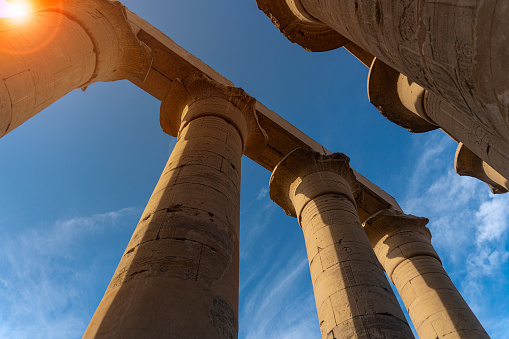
(8, 10)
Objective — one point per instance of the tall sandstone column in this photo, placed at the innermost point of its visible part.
(402, 244)
(179, 275)
(353, 297)
(62, 46)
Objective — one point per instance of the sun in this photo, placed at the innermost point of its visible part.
(8, 9)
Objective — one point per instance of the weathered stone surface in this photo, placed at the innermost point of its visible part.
(37, 70)
(179, 274)
(402, 244)
(352, 294)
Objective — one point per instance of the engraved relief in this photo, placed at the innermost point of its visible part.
(408, 21)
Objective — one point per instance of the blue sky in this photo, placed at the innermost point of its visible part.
(75, 179)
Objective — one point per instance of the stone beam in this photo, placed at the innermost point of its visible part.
(170, 61)
(106, 42)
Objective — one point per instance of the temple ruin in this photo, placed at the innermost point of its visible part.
(427, 71)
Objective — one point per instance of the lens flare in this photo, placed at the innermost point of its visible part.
(22, 8)
(9, 10)
(38, 33)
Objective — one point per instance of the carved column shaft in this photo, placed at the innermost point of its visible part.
(63, 46)
(435, 45)
(403, 246)
(179, 274)
(352, 294)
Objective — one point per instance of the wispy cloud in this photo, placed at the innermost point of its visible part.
(276, 294)
(256, 216)
(278, 306)
(262, 193)
(44, 281)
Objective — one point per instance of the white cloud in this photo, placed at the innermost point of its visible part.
(469, 227)
(262, 193)
(45, 282)
(486, 266)
(493, 216)
(486, 261)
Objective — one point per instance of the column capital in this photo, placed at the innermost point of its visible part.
(305, 174)
(232, 104)
(298, 26)
(120, 54)
(391, 221)
(467, 163)
(399, 99)
(396, 237)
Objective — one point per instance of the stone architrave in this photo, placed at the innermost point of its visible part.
(179, 275)
(402, 244)
(352, 294)
(63, 46)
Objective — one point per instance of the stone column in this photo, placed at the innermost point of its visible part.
(179, 275)
(402, 244)
(458, 50)
(63, 46)
(353, 297)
